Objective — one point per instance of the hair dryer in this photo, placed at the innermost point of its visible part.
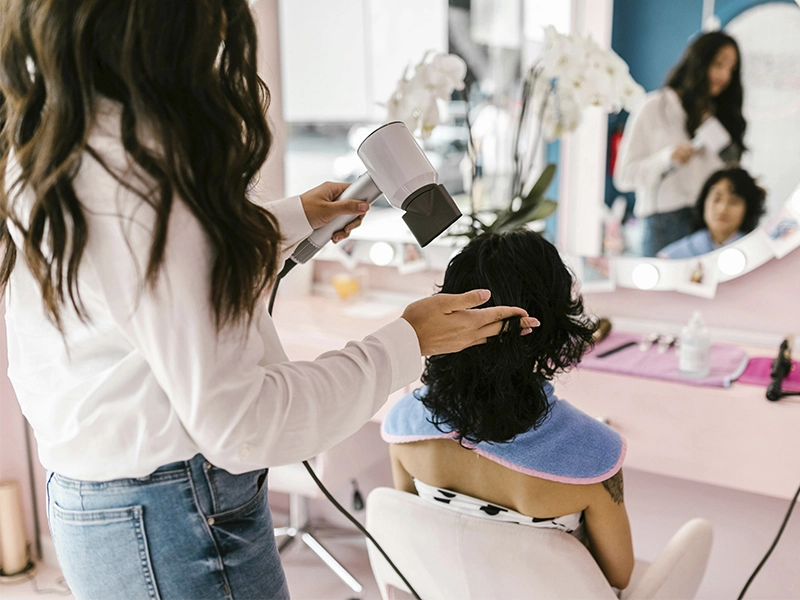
(397, 168)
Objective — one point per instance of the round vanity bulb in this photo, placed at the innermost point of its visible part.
(381, 253)
(645, 276)
(796, 196)
(731, 261)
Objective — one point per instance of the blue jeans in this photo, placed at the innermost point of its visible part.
(661, 229)
(188, 530)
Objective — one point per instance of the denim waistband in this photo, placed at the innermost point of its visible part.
(169, 472)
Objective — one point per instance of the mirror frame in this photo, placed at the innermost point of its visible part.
(754, 246)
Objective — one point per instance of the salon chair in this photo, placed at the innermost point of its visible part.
(335, 467)
(445, 555)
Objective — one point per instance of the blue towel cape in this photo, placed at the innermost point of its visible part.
(569, 446)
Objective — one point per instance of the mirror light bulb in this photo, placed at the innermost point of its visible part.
(381, 253)
(732, 261)
(645, 276)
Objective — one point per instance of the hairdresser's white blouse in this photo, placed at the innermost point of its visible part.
(149, 381)
(651, 135)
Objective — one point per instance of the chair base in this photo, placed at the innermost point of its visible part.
(299, 529)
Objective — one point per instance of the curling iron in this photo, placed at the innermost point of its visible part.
(781, 367)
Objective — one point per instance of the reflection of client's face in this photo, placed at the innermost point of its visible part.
(724, 211)
(721, 70)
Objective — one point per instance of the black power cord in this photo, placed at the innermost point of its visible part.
(772, 547)
(359, 526)
(290, 264)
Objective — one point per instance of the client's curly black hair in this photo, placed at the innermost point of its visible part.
(493, 392)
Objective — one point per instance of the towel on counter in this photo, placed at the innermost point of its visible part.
(758, 373)
(568, 447)
(727, 362)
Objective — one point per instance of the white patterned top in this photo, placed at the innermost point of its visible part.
(571, 524)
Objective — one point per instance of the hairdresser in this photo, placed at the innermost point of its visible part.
(134, 269)
(656, 157)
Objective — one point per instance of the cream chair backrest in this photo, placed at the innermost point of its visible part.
(447, 555)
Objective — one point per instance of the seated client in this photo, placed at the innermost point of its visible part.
(487, 436)
(729, 206)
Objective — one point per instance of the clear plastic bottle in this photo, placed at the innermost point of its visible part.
(695, 350)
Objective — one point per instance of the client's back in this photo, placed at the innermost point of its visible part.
(487, 436)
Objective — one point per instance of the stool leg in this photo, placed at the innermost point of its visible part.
(334, 565)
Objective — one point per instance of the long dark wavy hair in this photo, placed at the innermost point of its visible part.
(185, 72)
(689, 78)
(493, 392)
(743, 186)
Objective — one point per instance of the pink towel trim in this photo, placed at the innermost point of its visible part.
(405, 439)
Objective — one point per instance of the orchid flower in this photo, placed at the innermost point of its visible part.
(414, 100)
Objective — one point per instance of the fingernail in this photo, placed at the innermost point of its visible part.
(337, 238)
(526, 331)
(532, 322)
(363, 207)
(485, 294)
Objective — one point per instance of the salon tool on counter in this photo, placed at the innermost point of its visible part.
(602, 330)
(727, 362)
(615, 350)
(665, 342)
(647, 341)
(781, 367)
(695, 355)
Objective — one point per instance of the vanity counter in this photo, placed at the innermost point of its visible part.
(731, 437)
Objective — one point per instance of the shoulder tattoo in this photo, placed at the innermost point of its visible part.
(614, 487)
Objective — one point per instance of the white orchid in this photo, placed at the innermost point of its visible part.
(584, 75)
(572, 74)
(562, 114)
(414, 100)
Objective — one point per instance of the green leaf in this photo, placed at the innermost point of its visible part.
(541, 185)
(502, 217)
(542, 210)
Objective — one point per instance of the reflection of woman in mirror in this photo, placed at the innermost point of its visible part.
(729, 206)
(656, 157)
(487, 435)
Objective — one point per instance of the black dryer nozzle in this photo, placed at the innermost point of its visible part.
(429, 211)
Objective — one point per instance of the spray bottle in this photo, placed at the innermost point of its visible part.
(695, 350)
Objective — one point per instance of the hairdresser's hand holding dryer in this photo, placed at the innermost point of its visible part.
(134, 268)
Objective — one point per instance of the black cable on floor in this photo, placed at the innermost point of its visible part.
(772, 547)
(360, 527)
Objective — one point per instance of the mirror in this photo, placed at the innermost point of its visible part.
(652, 42)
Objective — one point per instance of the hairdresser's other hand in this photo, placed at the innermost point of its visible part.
(320, 208)
(447, 323)
(682, 153)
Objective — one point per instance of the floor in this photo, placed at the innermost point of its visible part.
(744, 526)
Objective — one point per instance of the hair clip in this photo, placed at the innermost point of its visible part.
(647, 341)
(665, 342)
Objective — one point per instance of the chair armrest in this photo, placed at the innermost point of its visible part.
(679, 568)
